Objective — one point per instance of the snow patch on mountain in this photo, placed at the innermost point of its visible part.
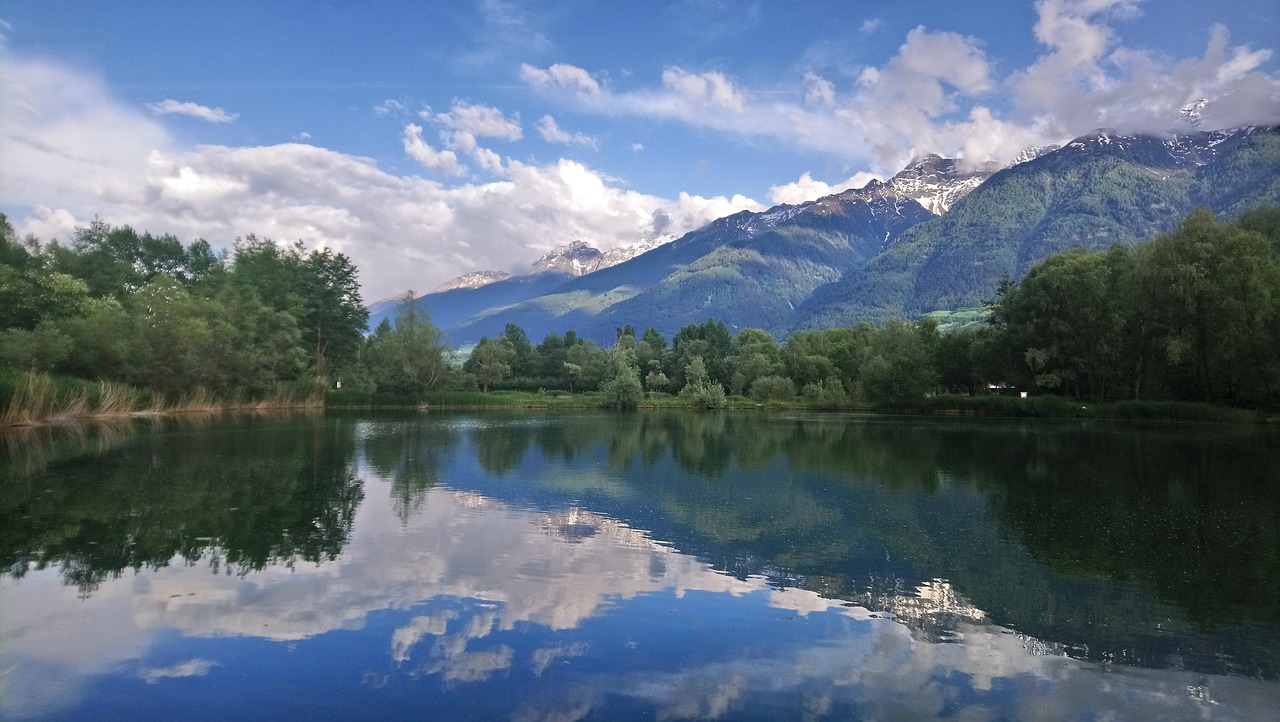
(475, 279)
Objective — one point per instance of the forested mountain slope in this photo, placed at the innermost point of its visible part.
(1096, 191)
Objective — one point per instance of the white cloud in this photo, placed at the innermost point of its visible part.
(444, 162)
(871, 26)
(388, 107)
(66, 142)
(1083, 82)
(808, 189)
(637, 147)
(935, 94)
(551, 132)
(169, 106)
(705, 88)
(481, 121)
(561, 76)
(818, 90)
(304, 135)
(80, 153)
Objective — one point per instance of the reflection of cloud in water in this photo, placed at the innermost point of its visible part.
(460, 545)
(189, 668)
(545, 657)
(495, 567)
(892, 674)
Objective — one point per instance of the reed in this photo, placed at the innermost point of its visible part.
(28, 399)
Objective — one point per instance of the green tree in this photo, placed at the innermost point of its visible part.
(409, 356)
(1210, 291)
(621, 387)
(699, 388)
(490, 361)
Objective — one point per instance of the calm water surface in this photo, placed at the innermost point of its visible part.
(650, 566)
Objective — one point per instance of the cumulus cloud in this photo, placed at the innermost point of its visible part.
(937, 93)
(388, 107)
(459, 129)
(169, 106)
(68, 141)
(561, 76)
(871, 26)
(807, 189)
(551, 132)
(705, 88)
(80, 152)
(480, 121)
(444, 162)
(818, 90)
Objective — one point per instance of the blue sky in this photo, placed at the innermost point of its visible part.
(430, 139)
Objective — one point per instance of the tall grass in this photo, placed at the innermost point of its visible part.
(31, 398)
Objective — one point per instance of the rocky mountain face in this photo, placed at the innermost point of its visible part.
(936, 182)
(935, 236)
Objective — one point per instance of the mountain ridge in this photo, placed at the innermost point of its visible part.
(935, 236)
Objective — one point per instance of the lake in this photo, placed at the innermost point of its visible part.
(660, 566)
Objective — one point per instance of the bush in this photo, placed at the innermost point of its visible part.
(704, 395)
(828, 393)
(773, 388)
(622, 392)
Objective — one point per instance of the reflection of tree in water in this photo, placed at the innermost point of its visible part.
(502, 444)
(1057, 529)
(409, 452)
(251, 494)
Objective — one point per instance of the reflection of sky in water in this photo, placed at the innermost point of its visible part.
(473, 607)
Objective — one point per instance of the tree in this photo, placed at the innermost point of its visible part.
(1068, 317)
(526, 360)
(320, 290)
(901, 364)
(621, 388)
(699, 389)
(409, 356)
(710, 341)
(490, 361)
(754, 354)
(1211, 293)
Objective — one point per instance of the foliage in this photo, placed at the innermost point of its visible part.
(407, 357)
(123, 307)
(621, 391)
(699, 389)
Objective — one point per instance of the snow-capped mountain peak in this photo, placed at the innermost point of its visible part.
(575, 259)
(475, 279)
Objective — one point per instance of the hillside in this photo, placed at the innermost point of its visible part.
(1096, 191)
(936, 236)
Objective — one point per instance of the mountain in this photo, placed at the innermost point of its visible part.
(935, 236)
(1098, 190)
(448, 307)
(574, 259)
(475, 279)
(748, 269)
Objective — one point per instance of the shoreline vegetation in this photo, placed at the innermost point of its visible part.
(946, 405)
(33, 400)
(1184, 327)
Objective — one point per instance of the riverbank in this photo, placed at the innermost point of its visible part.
(29, 399)
(991, 406)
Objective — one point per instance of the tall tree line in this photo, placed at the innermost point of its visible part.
(119, 305)
(1192, 315)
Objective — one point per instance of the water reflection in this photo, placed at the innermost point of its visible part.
(672, 566)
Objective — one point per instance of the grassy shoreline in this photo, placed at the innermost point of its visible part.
(1038, 407)
(31, 399)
